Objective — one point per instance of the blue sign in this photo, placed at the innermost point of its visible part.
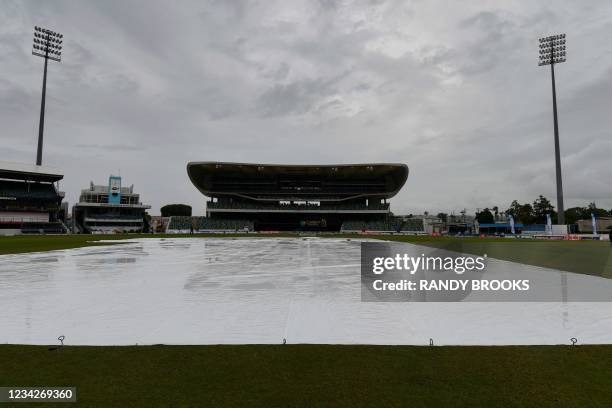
(114, 190)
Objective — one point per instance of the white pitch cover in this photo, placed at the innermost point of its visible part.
(258, 290)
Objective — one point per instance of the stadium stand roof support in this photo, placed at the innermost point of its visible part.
(20, 171)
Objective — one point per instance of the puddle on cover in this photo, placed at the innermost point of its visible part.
(256, 290)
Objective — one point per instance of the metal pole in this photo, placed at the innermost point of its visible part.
(560, 207)
(41, 124)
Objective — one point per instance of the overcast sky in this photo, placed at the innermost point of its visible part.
(452, 89)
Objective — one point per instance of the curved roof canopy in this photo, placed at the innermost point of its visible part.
(21, 171)
(278, 181)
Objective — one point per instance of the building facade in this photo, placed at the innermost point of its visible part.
(109, 208)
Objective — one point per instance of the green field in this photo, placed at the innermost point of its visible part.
(587, 257)
(318, 375)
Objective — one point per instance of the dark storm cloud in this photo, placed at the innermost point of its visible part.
(450, 88)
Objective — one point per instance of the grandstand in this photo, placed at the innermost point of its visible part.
(392, 224)
(185, 224)
(413, 225)
(274, 197)
(602, 225)
(29, 200)
(109, 209)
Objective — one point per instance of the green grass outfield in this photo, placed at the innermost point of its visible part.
(587, 257)
(318, 375)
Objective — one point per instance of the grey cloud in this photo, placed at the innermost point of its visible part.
(15, 99)
(490, 22)
(110, 148)
(297, 97)
(450, 88)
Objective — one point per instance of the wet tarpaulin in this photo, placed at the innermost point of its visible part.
(209, 291)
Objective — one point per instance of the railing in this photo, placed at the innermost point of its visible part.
(20, 220)
(186, 223)
(294, 207)
(113, 217)
(20, 195)
(43, 228)
(389, 225)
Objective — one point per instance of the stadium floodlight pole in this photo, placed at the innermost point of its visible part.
(48, 45)
(552, 51)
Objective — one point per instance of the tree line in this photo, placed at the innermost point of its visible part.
(531, 213)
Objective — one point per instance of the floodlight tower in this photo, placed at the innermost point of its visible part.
(552, 51)
(46, 44)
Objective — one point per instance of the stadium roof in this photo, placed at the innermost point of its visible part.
(208, 177)
(22, 171)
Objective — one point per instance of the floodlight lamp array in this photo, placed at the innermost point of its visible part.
(552, 49)
(47, 44)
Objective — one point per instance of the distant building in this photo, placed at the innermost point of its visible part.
(109, 209)
(29, 200)
(603, 225)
